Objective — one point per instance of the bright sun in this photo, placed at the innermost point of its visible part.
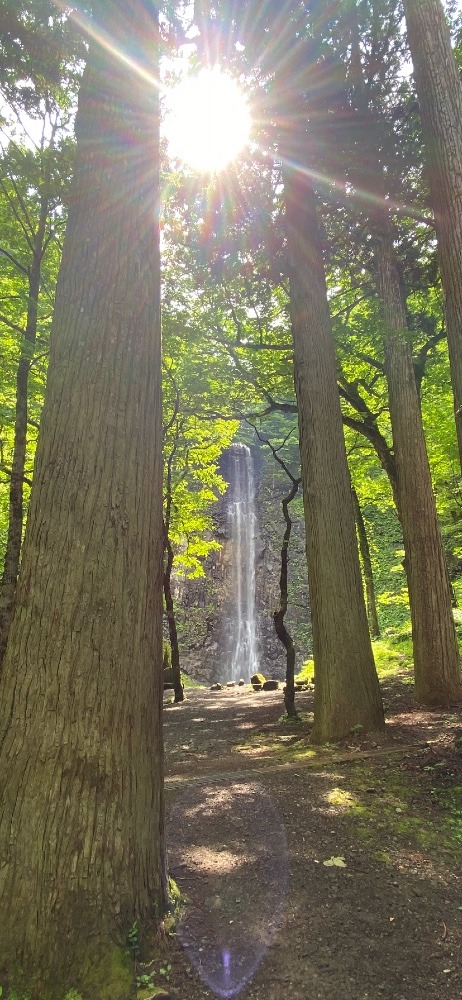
(208, 121)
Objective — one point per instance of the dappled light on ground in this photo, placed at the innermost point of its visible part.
(340, 799)
(374, 838)
(204, 860)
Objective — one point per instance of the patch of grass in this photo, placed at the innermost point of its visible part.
(392, 655)
(189, 682)
(451, 801)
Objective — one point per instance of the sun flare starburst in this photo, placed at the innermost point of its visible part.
(207, 121)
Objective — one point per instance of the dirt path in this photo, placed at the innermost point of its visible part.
(254, 814)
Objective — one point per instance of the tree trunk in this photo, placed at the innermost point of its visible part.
(81, 815)
(436, 656)
(347, 692)
(365, 553)
(439, 89)
(172, 629)
(279, 615)
(16, 497)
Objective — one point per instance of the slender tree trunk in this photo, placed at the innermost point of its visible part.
(279, 615)
(347, 691)
(436, 656)
(365, 552)
(81, 813)
(16, 498)
(439, 89)
(172, 629)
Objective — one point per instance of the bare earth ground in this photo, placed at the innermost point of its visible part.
(254, 813)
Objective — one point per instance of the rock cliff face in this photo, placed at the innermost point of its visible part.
(225, 618)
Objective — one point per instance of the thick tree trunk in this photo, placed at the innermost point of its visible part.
(439, 90)
(436, 657)
(278, 617)
(171, 620)
(81, 814)
(347, 692)
(365, 553)
(16, 497)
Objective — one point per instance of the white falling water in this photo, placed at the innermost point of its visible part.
(242, 530)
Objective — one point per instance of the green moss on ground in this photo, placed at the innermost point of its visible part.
(384, 804)
(107, 976)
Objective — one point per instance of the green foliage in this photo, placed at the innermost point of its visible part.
(167, 656)
(33, 191)
(40, 55)
(192, 448)
(147, 980)
(133, 939)
(306, 674)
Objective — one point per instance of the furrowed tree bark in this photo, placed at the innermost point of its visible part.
(16, 497)
(347, 692)
(436, 655)
(365, 552)
(439, 90)
(81, 813)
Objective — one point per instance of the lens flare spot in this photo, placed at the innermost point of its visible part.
(228, 854)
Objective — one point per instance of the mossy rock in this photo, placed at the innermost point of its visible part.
(257, 679)
(271, 685)
(257, 687)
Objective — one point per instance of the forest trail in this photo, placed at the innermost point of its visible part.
(317, 874)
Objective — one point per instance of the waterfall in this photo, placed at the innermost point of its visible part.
(242, 624)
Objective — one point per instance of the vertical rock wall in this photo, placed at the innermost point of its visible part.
(220, 639)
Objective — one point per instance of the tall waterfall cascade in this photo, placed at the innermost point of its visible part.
(242, 644)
